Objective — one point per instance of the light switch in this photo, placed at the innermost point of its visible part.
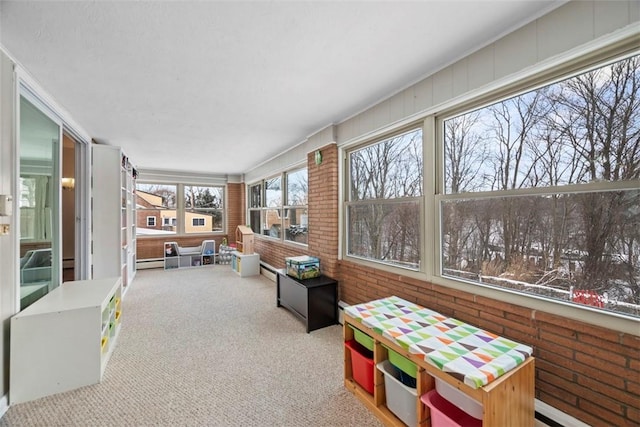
(6, 204)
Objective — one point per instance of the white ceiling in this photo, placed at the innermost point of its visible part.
(222, 86)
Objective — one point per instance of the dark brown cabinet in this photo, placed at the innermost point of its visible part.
(314, 301)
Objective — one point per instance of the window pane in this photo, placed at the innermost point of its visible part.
(387, 232)
(580, 130)
(197, 197)
(255, 196)
(297, 188)
(157, 201)
(388, 169)
(273, 190)
(255, 222)
(297, 225)
(272, 225)
(582, 248)
(203, 208)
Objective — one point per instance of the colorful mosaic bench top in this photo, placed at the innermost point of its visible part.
(470, 354)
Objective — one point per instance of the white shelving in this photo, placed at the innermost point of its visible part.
(65, 339)
(114, 214)
(176, 257)
(245, 264)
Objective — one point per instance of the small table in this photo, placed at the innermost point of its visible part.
(314, 301)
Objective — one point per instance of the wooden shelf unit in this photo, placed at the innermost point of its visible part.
(506, 401)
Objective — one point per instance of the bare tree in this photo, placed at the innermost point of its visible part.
(602, 110)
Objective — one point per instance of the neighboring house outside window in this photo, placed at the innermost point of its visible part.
(203, 212)
(204, 208)
(151, 221)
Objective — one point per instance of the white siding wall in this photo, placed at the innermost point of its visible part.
(569, 27)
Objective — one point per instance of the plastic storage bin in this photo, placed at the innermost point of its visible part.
(361, 365)
(459, 399)
(408, 369)
(446, 414)
(303, 267)
(362, 338)
(401, 400)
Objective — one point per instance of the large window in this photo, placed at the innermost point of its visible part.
(156, 202)
(541, 194)
(202, 209)
(385, 201)
(278, 206)
(296, 216)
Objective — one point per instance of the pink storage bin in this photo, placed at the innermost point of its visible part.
(446, 414)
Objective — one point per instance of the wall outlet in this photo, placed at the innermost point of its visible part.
(4, 229)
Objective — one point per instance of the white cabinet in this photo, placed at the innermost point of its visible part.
(114, 214)
(245, 264)
(64, 340)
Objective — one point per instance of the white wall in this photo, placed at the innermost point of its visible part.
(8, 250)
(570, 28)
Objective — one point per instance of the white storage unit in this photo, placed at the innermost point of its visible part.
(114, 214)
(65, 339)
(178, 257)
(245, 264)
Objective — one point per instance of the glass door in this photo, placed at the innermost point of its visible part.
(39, 202)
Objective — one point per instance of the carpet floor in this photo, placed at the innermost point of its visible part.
(204, 347)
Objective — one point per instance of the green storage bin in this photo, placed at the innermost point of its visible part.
(362, 338)
(402, 363)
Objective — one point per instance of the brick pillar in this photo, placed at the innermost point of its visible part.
(235, 208)
(323, 208)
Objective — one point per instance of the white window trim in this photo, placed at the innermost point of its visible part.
(151, 219)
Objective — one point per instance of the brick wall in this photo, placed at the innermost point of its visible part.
(323, 218)
(323, 208)
(589, 372)
(274, 252)
(236, 208)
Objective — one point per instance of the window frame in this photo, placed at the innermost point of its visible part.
(442, 196)
(420, 271)
(204, 211)
(179, 220)
(546, 73)
(258, 205)
(149, 218)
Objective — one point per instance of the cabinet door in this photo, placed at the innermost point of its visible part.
(293, 295)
